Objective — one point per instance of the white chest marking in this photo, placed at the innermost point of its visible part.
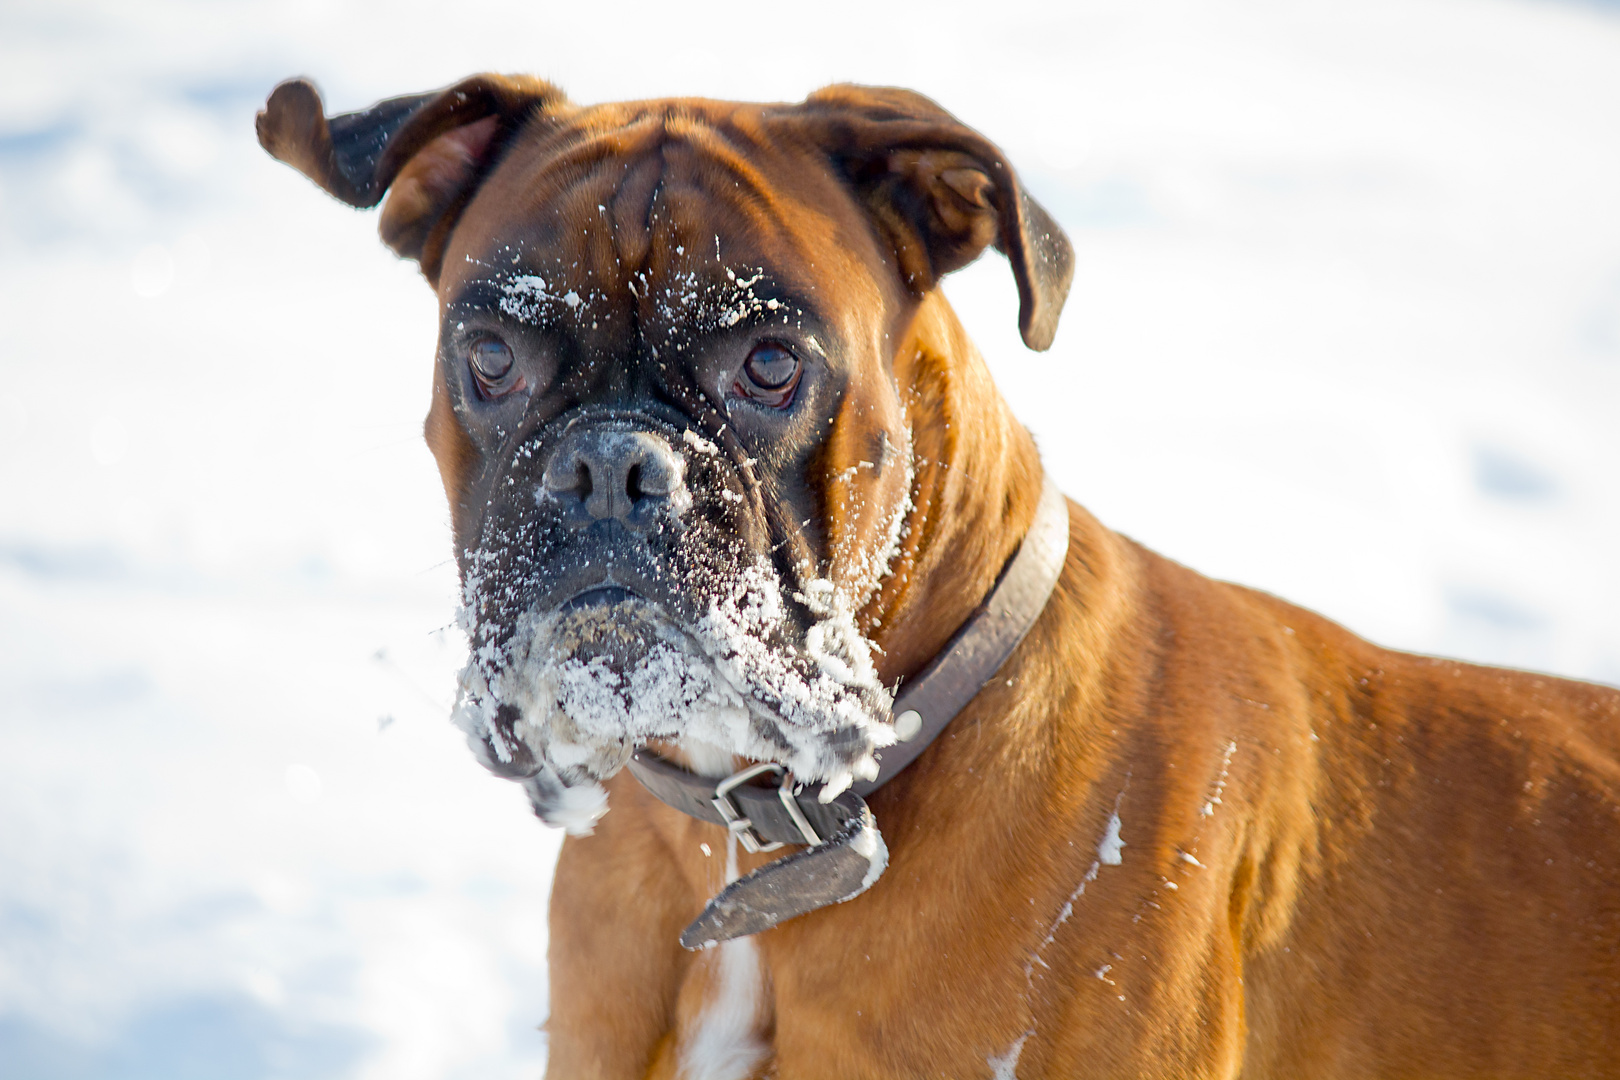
(724, 1043)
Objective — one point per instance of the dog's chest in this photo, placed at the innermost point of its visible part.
(724, 1039)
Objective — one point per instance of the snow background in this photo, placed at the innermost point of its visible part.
(1346, 326)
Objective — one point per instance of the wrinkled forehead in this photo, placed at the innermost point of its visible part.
(665, 217)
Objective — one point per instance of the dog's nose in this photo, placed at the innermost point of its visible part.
(631, 476)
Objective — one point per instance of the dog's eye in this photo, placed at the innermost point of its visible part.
(771, 366)
(492, 362)
(492, 359)
(770, 375)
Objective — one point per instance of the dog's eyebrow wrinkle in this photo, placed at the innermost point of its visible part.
(722, 152)
(672, 148)
(480, 294)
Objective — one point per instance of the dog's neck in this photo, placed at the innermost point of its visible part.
(976, 486)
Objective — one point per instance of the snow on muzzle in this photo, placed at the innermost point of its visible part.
(760, 673)
(623, 590)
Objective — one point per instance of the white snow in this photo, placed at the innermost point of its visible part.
(1110, 849)
(524, 296)
(692, 302)
(698, 442)
(530, 298)
(1220, 780)
(578, 809)
(718, 683)
(1004, 1066)
(1345, 326)
(868, 843)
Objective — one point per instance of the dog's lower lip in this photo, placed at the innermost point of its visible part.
(601, 595)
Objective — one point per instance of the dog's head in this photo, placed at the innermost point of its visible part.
(676, 400)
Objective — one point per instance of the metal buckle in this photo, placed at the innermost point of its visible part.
(784, 791)
(741, 826)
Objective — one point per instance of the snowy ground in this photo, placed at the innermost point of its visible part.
(1346, 326)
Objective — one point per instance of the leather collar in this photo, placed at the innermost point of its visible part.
(844, 853)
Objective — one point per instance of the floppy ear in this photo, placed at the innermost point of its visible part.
(941, 193)
(432, 149)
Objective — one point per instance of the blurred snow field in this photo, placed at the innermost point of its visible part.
(1345, 327)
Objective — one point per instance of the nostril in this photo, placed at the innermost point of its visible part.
(633, 476)
(658, 473)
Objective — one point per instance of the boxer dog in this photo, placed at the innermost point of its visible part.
(725, 472)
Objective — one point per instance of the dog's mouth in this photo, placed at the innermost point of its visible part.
(593, 635)
(598, 596)
(577, 688)
(608, 626)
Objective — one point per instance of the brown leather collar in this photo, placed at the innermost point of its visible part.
(845, 853)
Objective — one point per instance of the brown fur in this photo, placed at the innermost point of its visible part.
(1374, 896)
(1340, 861)
(1411, 870)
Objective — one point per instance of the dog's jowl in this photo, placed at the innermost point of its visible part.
(770, 605)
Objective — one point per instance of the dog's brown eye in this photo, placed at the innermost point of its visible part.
(492, 361)
(771, 366)
(770, 374)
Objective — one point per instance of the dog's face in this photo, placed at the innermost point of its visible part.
(636, 376)
(672, 409)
